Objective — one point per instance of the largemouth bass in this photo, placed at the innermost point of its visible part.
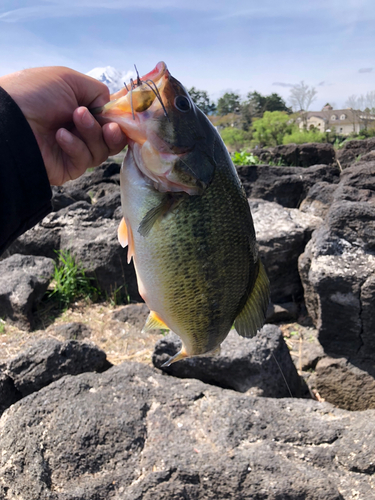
(187, 222)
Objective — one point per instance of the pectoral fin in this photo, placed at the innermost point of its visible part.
(167, 203)
(251, 317)
(154, 322)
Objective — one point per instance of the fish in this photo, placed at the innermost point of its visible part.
(186, 218)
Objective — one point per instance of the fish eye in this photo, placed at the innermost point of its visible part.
(182, 103)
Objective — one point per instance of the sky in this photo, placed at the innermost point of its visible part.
(214, 45)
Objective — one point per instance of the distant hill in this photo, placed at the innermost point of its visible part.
(112, 77)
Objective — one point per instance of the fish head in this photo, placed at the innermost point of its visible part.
(171, 140)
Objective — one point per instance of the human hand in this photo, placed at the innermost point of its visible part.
(54, 101)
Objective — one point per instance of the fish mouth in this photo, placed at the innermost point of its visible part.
(143, 92)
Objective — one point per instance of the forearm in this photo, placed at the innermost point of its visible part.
(25, 193)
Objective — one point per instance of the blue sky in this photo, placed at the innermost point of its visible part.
(217, 46)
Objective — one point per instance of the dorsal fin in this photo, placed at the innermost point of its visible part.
(251, 317)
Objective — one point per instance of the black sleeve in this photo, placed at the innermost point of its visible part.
(25, 193)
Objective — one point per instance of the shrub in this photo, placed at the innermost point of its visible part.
(235, 137)
(298, 136)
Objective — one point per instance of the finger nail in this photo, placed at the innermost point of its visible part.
(87, 119)
(65, 136)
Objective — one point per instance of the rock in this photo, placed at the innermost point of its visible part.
(261, 365)
(134, 314)
(357, 183)
(282, 234)
(90, 233)
(131, 433)
(23, 282)
(287, 186)
(8, 393)
(298, 155)
(73, 331)
(345, 385)
(277, 313)
(48, 360)
(108, 172)
(354, 151)
(337, 270)
(63, 197)
(319, 198)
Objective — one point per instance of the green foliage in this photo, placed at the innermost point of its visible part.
(244, 158)
(2, 326)
(298, 136)
(201, 99)
(228, 103)
(235, 137)
(70, 281)
(270, 130)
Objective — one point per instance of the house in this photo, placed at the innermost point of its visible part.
(341, 121)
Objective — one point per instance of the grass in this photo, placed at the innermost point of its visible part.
(2, 326)
(70, 281)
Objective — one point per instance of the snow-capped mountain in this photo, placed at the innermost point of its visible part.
(112, 77)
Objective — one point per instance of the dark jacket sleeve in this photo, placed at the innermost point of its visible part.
(25, 193)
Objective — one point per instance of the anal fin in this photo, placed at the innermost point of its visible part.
(177, 357)
(154, 322)
(251, 317)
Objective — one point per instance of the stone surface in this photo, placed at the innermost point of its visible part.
(345, 385)
(73, 331)
(133, 434)
(319, 198)
(298, 155)
(282, 234)
(357, 183)
(337, 270)
(261, 365)
(353, 151)
(63, 197)
(8, 393)
(287, 186)
(48, 360)
(134, 314)
(23, 282)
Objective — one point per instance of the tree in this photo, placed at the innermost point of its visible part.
(228, 103)
(301, 96)
(201, 99)
(257, 104)
(363, 108)
(270, 130)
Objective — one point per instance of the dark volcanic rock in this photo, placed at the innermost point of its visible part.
(63, 197)
(90, 233)
(337, 264)
(135, 314)
(73, 331)
(298, 155)
(8, 393)
(287, 186)
(353, 151)
(319, 199)
(23, 282)
(261, 365)
(133, 434)
(357, 183)
(345, 385)
(48, 360)
(282, 234)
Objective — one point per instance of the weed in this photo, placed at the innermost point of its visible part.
(2, 326)
(244, 158)
(279, 163)
(70, 281)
